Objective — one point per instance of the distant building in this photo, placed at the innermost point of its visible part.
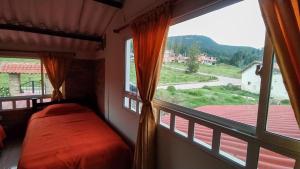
(170, 56)
(182, 59)
(251, 81)
(208, 60)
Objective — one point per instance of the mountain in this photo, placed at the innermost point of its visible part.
(234, 55)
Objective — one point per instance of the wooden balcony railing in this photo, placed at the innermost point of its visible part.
(21, 102)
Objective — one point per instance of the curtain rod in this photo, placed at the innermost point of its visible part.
(140, 13)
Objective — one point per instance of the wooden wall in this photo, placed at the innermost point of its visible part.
(82, 79)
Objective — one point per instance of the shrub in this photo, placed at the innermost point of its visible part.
(285, 102)
(192, 62)
(171, 89)
(4, 91)
(232, 87)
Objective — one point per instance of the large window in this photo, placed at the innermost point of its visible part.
(21, 77)
(212, 68)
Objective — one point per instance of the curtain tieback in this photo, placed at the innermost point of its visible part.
(56, 90)
(147, 103)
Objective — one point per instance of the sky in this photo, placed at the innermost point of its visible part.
(240, 24)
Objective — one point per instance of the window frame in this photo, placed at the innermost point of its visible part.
(286, 145)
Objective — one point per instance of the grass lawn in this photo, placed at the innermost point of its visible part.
(219, 69)
(171, 76)
(217, 95)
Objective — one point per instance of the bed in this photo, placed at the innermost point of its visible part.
(70, 136)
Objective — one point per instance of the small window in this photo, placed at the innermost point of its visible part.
(7, 105)
(181, 126)
(21, 104)
(165, 119)
(133, 105)
(130, 75)
(233, 149)
(203, 135)
(126, 102)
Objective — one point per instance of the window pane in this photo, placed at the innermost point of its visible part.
(271, 160)
(165, 119)
(203, 135)
(181, 126)
(126, 102)
(233, 148)
(281, 117)
(6, 105)
(133, 105)
(210, 63)
(130, 76)
(21, 104)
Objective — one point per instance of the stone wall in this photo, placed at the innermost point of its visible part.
(14, 84)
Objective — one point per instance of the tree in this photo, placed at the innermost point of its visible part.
(192, 62)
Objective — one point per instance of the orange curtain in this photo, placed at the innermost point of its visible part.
(283, 24)
(57, 66)
(149, 32)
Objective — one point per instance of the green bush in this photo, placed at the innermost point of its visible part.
(285, 102)
(171, 89)
(4, 92)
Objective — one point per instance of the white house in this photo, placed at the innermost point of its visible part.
(251, 81)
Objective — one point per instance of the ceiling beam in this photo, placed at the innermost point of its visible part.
(46, 31)
(113, 3)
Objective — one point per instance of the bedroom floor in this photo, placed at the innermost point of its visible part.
(9, 156)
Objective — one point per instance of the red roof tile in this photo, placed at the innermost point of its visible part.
(26, 68)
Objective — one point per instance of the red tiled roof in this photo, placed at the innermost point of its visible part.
(26, 68)
(280, 120)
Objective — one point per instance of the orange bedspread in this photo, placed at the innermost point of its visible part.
(77, 140)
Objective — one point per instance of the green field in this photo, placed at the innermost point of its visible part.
(217, 95)
(219, 69)
(170, 76)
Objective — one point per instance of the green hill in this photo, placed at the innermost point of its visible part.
(234, 55)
